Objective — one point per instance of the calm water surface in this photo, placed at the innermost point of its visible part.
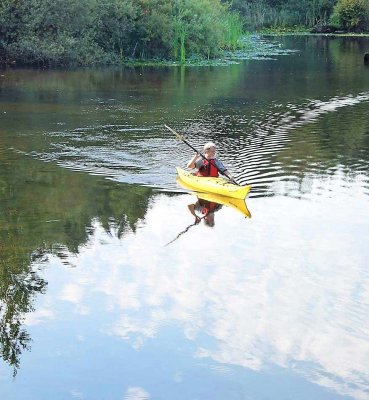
(94, 302)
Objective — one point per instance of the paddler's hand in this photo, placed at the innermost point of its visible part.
(191, 163)
(231, 178)
(197, 220)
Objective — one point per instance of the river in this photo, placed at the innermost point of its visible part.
(108, 290)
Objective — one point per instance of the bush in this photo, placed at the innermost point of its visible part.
(49, 32)
(352, 15)
(277, 13)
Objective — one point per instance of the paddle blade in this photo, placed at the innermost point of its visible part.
(175, 133)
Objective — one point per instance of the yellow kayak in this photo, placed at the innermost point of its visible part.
(213, 185)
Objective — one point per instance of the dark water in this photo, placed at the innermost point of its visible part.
(95, 305)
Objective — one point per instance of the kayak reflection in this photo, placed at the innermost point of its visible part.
(206, 205)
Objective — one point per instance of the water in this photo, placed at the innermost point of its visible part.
(94, 301)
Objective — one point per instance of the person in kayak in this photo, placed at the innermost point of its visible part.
(210, 166)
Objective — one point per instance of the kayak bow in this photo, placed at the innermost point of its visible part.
(213, 185)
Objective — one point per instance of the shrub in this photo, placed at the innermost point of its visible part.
(259, 14)
(352, 15)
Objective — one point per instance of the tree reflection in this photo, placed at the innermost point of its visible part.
(46, 210)
(19, 285)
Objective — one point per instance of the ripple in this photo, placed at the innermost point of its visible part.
(259, 147)
(275, 144)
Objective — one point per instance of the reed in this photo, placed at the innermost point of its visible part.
(233, 31)
(182, 38)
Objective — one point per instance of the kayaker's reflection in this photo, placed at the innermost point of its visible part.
(204, 210)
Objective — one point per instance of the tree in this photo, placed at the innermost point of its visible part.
(115, 22)
(352, 15)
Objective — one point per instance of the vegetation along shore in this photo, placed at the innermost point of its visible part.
(56, 33)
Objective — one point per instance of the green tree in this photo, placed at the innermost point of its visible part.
(115, 22)
(50, 32)
(352, 15)
(154, 28)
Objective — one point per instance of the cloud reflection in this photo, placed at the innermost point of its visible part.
(264, 291)
(39, 316)
(136, 393)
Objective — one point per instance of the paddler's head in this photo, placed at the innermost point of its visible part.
(209, 150)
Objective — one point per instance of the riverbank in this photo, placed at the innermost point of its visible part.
(303, 31)
(252, 47)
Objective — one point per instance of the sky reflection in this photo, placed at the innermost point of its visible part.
(276, 298)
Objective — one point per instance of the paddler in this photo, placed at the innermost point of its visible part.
(210, 166)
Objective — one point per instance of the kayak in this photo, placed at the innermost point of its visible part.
(236, 204)
(213, 185)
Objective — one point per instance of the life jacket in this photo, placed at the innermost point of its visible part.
(208, 168)
(208, 206)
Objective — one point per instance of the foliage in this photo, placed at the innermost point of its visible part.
(178, 28)
(277, 13)
(114, 25)
(85, 32)
(352, 15)
(233, 30)
(49, 32)
(17, 293)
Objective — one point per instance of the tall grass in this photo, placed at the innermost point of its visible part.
(178, 42)
(182, 39)
(233, 31)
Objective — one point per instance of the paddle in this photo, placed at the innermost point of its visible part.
(180, 137)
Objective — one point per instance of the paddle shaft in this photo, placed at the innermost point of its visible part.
(180, 137)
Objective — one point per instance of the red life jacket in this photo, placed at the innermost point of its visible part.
(208, 206)
(208, 168)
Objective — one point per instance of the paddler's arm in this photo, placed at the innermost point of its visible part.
(220, 166)
(192, 162)
(191, 207)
